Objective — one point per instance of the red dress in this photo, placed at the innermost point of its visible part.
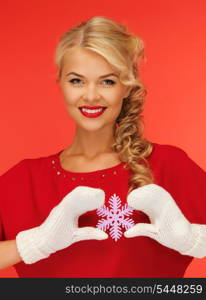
(32, 187)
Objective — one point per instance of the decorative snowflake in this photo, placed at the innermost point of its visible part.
(115, 217)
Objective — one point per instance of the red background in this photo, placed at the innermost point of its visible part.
(33, 119)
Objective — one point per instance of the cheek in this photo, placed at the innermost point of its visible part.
(117, 102)
(70, 96)
(117, 97)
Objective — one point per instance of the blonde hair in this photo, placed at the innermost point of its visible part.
(124, 51)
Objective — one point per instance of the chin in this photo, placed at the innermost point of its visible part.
(91, 127)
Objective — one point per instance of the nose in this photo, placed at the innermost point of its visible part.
(91, 94)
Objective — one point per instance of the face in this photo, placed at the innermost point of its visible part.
(87, 79)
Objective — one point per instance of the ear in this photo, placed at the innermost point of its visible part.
(58, 83)
(127, 91)
(58, 77)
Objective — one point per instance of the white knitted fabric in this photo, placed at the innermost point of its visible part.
(60, 229)
(168, 225)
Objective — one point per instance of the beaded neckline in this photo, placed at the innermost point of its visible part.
(56, 165)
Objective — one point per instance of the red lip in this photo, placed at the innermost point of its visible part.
(92, 115)
(92, 107)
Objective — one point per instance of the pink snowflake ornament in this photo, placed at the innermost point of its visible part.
(115, 219)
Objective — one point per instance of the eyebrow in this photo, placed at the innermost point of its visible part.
(103, 76)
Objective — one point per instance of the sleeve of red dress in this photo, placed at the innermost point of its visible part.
(186, 182)
(11, 182)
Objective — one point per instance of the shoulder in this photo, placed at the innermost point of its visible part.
(169, 160)
(166, 151)
(26, 167)
(17, 169)
(172, 164)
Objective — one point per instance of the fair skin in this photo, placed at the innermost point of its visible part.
(91, 146)
(9, 254)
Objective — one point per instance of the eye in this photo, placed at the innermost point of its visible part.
(75, 80)
(109, 82)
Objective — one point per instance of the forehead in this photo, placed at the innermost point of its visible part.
(85, 61)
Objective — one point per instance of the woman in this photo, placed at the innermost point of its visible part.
(76, 213)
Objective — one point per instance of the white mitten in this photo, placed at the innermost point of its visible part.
(60, 229)
(168, 225)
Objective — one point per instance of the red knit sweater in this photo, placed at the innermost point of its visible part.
(32, 187)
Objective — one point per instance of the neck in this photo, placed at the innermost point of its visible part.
(90, 144)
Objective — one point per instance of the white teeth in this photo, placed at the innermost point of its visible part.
(92, 110)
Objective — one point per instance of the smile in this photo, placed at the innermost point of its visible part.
(92, 113)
